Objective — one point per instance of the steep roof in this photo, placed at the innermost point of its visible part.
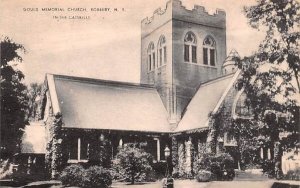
(207, 99)
(99, 104)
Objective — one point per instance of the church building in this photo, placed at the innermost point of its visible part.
(186, 78)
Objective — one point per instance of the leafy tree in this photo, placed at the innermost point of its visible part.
(34, 94)
(132, 163)
(270, 77)
(13, 97)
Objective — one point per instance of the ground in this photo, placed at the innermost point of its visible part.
(178, 184)
(242, 180)
(195, 184)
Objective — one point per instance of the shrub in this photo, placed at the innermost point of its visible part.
(72, 175)
(132, 164)
(160, 169)
(293, 174)
(203, 176)
(96, 176)
(268, 167)
(221, 166)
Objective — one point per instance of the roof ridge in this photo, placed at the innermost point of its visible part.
(98, 81)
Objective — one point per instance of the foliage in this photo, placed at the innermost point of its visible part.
(249, 154)
(220, 165)
(72, 175)
(34, 93)
(293, 174)
(268, 167)
(246, 132)
(215, 129)
(270, 77)
(132, 163)
(13, 96)
(98, 153)
(96, 176)
(159, 169)
(203, 176)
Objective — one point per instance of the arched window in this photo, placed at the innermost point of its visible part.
(151, 57)
(209, 51)
(243, 108)
(190, 48)
(162, 51)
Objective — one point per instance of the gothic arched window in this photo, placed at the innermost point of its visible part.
(243, 108)
(151, 57)
(209, 51)
(162, 51)
(190, 48)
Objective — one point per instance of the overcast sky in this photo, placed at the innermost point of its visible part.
(106, 46)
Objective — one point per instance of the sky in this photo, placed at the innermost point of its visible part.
(107, 45)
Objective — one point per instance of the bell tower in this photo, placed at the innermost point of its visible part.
(180, 49)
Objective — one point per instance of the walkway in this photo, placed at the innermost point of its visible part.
(195, 184)
(242, 180)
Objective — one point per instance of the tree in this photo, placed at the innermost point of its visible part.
(34, 94)
(132, 163)
(13, 97)
(270, 77)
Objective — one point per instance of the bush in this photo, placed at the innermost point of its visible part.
(203, 176)
(293, 174)
(72, 175)
(160, 169)
(132, 164)
(96, 176)
(221, 166)
(268, 168)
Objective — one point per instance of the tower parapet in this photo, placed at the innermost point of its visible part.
(198, 15)
(175, 10)
(160, 17)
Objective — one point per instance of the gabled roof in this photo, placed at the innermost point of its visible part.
(100, 104)
(207, 100)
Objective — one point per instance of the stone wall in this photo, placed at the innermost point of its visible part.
(160, 76)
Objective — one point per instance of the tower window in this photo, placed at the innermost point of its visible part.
(165, 54)
(205, 58)
(209, 51)
(151, 57)
(162, 51)
(190, 48)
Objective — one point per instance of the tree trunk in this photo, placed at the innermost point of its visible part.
(132, 178)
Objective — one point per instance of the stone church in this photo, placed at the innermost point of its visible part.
(186, 78)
